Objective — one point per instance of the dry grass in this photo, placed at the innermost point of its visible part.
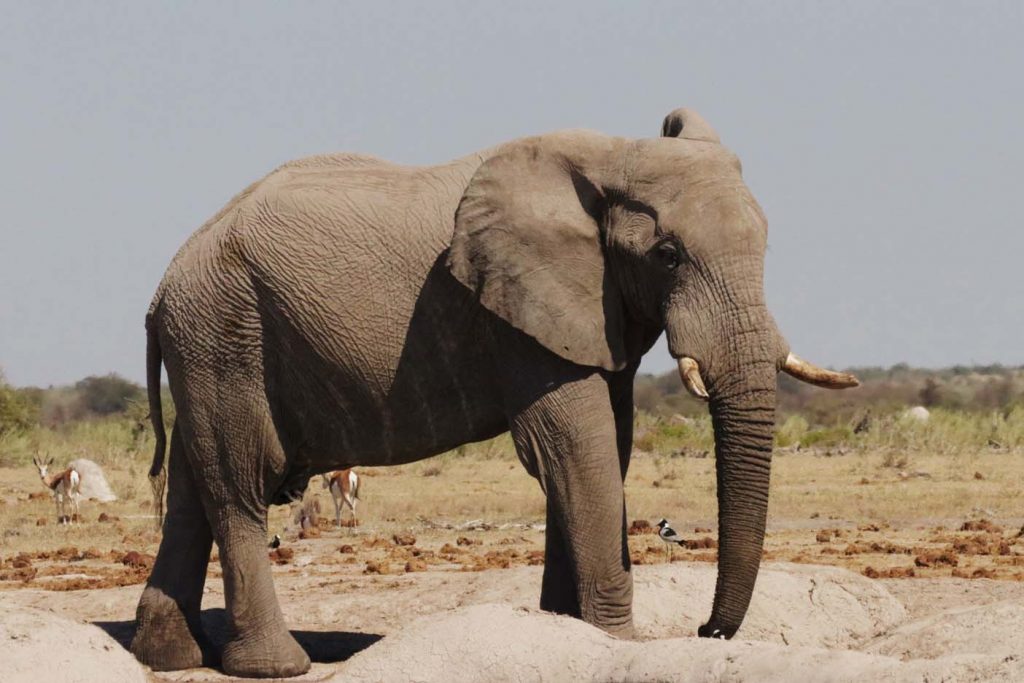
(898, 482)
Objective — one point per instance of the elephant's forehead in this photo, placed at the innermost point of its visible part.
(715, 210)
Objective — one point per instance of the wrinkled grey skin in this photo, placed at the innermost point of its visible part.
(345, 311)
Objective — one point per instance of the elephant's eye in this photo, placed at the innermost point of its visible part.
(668, 255)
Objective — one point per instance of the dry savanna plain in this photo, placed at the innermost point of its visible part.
(894, 552)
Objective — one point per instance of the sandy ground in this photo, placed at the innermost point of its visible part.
(407, 595)
(461, 605)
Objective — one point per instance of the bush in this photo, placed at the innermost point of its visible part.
(18, 409)
(108, 394)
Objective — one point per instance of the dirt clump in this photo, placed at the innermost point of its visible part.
(23, 574)
(21, 561)
(137, 560)
(311, 532)
(889, 573)
(935, 558)
(404, 539)
(449, 549)
(640, 526)
(462, 540)
(415, 565)
(881, 547)
(493, 559)
(982, 544)
(346, 549)
(979, 573)
(281, 555)
(981, 525)
(700, 543)
(826, 535)
(377, 568)
(42, 521)
(104, 517)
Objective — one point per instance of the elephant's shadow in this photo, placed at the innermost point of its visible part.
(325, 647)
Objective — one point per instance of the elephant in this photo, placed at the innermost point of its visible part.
(346, 311)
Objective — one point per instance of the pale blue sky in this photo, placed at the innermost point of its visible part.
(884, 141)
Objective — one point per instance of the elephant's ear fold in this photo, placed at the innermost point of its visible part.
(528, 243)
(688, 124)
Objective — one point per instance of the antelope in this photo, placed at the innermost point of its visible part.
(344, 487)
(65, 486)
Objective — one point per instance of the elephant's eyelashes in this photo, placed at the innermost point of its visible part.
(668, 255)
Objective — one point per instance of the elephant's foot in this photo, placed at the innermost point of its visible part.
(276, 656)
(624, 631)
(164, 640)
(560, 603)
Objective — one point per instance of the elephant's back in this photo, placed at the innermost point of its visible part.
(330, 202)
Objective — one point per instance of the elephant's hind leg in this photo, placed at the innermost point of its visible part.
(245, 453)
(168, 635)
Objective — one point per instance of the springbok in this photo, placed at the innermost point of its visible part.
(65, 486)
(344, 487)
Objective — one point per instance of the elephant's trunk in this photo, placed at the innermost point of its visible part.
(730, 355)
(743, 420)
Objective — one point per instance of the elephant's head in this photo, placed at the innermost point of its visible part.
(587, 242)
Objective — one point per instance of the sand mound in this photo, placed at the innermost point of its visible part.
(39, 646)
(94, 485)
(996, 629)
(501, 643)
(806, 623)
(793, 604)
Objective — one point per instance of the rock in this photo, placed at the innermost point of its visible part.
(94, 484)
(916, 414)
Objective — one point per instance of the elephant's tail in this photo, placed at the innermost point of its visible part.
(157, 475)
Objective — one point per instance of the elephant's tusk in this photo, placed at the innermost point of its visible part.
(689, 372)
(812, 374)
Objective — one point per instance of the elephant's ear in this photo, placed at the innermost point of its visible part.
(528, 242)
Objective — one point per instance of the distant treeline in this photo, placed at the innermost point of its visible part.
(883, 390)
(90, 398)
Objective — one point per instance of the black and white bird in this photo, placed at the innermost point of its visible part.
(275, 542)
(669, 535)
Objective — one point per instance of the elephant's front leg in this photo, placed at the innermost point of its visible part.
(570, 431)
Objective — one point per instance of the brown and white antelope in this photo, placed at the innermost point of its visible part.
(65, 486)
(344, 487)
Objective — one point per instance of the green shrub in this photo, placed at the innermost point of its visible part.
(828, 437)
(791, 431)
